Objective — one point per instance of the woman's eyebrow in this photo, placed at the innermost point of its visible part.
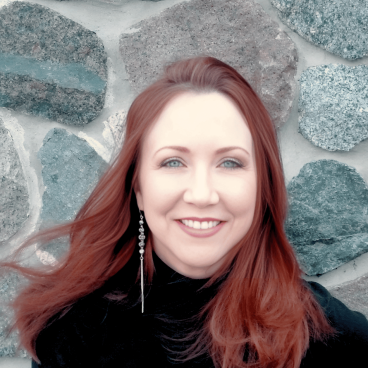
(186, 150)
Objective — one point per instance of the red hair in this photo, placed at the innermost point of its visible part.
(264, 305)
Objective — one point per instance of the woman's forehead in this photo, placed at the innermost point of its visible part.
(204, 106)
(209, 119)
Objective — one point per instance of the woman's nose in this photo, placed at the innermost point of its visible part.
(201, 188)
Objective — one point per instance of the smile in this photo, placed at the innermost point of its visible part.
(201, 233)
(200, 225)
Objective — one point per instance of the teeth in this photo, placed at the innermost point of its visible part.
(200, 225)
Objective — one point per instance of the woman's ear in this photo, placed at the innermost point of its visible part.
(138, 195)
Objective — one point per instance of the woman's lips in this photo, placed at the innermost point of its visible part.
(201, 233)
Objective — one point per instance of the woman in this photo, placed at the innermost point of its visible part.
(229, 296)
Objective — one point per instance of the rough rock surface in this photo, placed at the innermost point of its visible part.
(50, 65)
(113, 1)
(333, 106)
(338, 26)
(14, 205)
(327, 222)
(71, 169)
(10, 285)
(238, 32)
(354, 294)
(114, 132)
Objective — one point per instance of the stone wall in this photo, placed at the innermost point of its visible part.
(69, 71)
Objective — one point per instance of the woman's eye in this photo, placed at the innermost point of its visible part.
(237, 163)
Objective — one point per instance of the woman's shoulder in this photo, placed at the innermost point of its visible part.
(75, 336)
(351, 344)
(70, 337)
(349, 321)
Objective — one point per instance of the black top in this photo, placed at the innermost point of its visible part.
(100, 333)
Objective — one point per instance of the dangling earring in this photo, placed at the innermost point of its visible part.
(141, 251)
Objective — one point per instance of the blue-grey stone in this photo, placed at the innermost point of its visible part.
(354, 294)
(327, 221)
(238, 32)
(50, 65)
(72, 75)
(10, 285)
(14, 205)
(338, 26)
(71, 169)
(333, 106)
(116, 2)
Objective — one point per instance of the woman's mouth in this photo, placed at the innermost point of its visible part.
(201, 233)
(197, 225)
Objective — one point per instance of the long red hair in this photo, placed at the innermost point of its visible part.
(264, 305)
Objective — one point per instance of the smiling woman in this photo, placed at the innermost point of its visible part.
(200, 160)
(207, 181)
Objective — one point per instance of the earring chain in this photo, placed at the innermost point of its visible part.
(141, 251)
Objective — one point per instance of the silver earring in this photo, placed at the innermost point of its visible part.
(141, 251)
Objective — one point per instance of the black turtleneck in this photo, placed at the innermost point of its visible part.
(98, 332)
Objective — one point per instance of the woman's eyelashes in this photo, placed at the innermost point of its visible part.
(238, 164)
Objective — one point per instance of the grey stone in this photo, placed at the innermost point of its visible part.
(327, 221)
(333, 106)
(71, 169)
(10, 285)
(338, 26)
(114, 132)
(354, 294)
(50, 65)
(238, 32)
(14, 205)
(117, 2)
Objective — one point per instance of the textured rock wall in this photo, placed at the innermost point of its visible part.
(237, 32)
(338, 26)
(334, 106)
(13, 187)
(328, 215)
(50, 65)
(69, 71)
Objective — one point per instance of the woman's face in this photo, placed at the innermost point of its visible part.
(197, 182)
